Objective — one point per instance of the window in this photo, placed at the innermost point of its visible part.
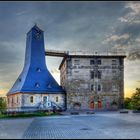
(121, 61)
(57, 99)
(76, 71)
(38, 70)
(99, 75)
(19, 79)
(45, 99)
(17, 99)
(92, 74)
(92, 62)
(31, 99)
(12, 100)
(92, 87)
(99, 62)
(114, 62)
(115, 87)
(49, 104)
(8, 100)
(99, 87)
(49, 85)
(37, 85)
(76, 62)
(113, 71)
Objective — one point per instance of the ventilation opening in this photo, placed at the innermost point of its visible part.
(49, 86)
(38, 70)
(37, 85)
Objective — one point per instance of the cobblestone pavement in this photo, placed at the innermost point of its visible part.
(13, 128)
(95, 126)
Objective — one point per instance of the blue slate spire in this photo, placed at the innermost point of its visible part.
(35, 76)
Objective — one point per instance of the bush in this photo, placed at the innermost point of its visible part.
(3, 105)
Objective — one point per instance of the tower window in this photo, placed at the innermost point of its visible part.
(49, 86)
(31, 99)
(38, 70)
(37, 85)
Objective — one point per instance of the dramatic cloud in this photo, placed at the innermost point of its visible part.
(68, 26)
(134, 55)
(126, 35)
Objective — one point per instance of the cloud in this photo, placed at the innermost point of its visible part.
(126, 35)
(132, 15)
(56, 71)
(134, 55)
(114, 38)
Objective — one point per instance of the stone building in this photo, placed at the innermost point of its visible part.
(93, 81)
(88, 81)
(35, 88)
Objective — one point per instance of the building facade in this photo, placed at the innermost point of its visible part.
(35, 88)
(93, 81)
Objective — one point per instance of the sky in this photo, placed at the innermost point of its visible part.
(70, 26)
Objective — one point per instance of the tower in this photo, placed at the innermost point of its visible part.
(35, 83)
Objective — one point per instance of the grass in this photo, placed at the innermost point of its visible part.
(26, 115)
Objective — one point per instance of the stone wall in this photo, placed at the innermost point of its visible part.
(82, 89)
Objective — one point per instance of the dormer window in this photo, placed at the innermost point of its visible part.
(38, 70)
(37, 85)
(49, 86)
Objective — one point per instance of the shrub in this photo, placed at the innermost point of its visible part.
(3, 104)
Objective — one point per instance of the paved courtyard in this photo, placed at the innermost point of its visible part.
(105, 125)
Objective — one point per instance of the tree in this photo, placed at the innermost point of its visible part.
(128, 103)
(3, 104)
(135, 100)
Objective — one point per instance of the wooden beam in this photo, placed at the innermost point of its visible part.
(56, 53)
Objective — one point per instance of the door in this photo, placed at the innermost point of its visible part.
(46, 101)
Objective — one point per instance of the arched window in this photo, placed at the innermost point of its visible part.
(57, 99)
(31, 99)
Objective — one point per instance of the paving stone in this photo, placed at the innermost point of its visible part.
(99, 125)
